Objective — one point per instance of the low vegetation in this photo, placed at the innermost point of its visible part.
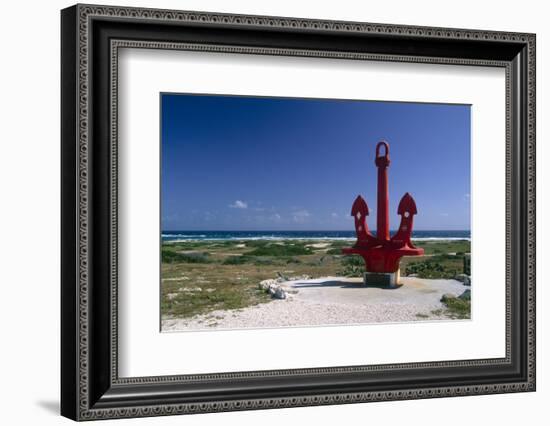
(436, 266)
(352, 266)
(203, 276)
(170, 256)
(443, 247)
(457, 307)
(281, 249)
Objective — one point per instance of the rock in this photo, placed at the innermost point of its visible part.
(447, 296)
(190, 289)
(279, 293)
(463, 278)
(281, 278)
(466, 295)
(299, 278)
(273, 287)
(265, 284)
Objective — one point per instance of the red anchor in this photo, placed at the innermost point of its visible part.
(382, 253)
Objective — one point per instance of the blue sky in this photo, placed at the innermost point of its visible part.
(252, 163)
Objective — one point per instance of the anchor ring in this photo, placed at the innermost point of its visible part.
(386, 146)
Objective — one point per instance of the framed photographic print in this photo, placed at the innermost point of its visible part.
(263, 212)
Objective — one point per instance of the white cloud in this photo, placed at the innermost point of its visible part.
(300, 216)
(238, 204)
(444, 214)
(334, 215)
(275, 217)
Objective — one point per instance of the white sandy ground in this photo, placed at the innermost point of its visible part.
(329, 301)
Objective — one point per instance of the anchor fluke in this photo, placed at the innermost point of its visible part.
(359, 206)
(360, 211)
(407, 209)
(407, 204)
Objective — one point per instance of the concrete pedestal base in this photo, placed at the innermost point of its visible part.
(382, 279)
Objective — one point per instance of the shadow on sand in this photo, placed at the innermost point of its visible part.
(341, 284)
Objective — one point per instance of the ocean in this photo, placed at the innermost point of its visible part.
(300, 235)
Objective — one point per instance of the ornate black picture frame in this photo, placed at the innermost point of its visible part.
(91, 36)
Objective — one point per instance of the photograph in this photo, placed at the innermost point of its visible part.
(299, 212)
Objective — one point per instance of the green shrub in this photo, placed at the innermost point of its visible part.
(439, 266)
(353, 261)
(170, 256)
(352, 266)
(457, 307)
(280, 250)
(256, 243)
(238, 260)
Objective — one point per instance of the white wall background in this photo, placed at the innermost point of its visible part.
(29, 218)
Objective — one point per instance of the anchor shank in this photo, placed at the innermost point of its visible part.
(382, 214)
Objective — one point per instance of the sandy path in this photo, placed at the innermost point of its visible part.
(332, 301)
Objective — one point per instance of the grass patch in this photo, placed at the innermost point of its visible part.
(278, 250)
(259, 260)
(337, 246)
(170, 256)
(256, 243)
(438, 266)
(457, 308)
(238, 260)
(184, 245)
(189, 304)
(352, 266)
(437, 247)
